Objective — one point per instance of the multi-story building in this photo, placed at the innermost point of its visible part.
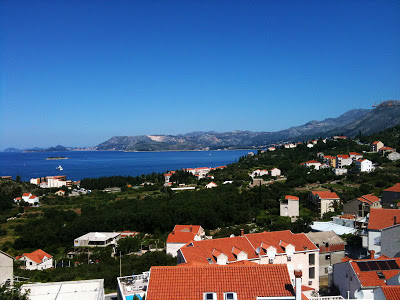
(275, 172)
(311, 163)
(279, 247)
(343, 160)
(289, 207)
(375, 146)
(331, 250)
(361, 206)
(324, 201)
(364, 165)
(390, 195)
(97, 239)
(383, 232)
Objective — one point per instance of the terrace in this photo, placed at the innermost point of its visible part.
(129, 286)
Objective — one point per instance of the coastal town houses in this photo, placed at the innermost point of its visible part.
(364, 165)
(181, 235)
(391, 195)
(279, 247)
(28, 198)
(359, 279)
(361, 206)
(201, 281)
(343, 160)
(331, 249)
(36, 260)
(375, 146)
(383, 232)
(258, 173)
(60, 193)
(324, 201)
(211, 185)
(355, 156)
(385, 150)
(289, 207)
(311, 163)
(6, 268)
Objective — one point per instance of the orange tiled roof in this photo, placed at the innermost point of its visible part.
(370, 198)
(386, 148)
(391, 292)
(376, 142)
(202, 250)
(37, 256)
(355, 153)
(191, 282)
(395, 188)
(26, 194)
(380, 218)
(347, 216)
(290, 197)
(344, 156)
(183, 233)
(326, 194)
(371, 278)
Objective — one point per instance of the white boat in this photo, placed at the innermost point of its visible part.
(60, 168)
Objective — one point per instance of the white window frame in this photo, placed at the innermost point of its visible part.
(234, 296)
(207, 293)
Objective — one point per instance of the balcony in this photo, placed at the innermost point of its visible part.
(133, 285)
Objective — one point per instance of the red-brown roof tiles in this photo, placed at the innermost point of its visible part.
(191, 282)
(326, 194)
(391, 292)
(380, 218)
(395, 188)
(290, 197)
(37, 256)
(370, 198)
(201, 250)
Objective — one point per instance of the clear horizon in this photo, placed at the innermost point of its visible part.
(75, 73)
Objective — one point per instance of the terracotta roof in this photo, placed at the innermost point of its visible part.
(346, 258)
(202, 250)
(386, 148)
(354, 153)
(290, 197)
(26, 195)
(370, 198)
(380, 218)
(37, 256)
(191, 282)
(343, 156)
(371, 278)
(326, 194)
(183, 233)
(312, 162)
(347, 216)
(391, 292)
(376, 142)
(395, 188)
(32, 197)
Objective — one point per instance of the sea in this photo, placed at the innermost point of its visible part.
(93, 164)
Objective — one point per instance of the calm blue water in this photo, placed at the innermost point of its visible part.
(84, 164)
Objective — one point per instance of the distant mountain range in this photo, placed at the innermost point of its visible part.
(351, 123)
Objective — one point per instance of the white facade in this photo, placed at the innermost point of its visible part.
(275, 172)
(6, 268)
(343, 161)
(54, 182)
(339, 171)
(30, 264)
(31, 199)
(259, 173)
(364, 165)
(211, 185)
(289, 208)
(97, 239)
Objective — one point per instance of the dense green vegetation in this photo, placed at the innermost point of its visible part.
(145, 205)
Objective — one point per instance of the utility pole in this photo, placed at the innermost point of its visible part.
(120, 265)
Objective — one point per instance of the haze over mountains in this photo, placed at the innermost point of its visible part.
(351, 123)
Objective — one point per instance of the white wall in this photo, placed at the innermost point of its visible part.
(372, 235)
(6, 268)
(172, 248)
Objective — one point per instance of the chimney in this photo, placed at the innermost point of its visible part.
(297, 283)
(241, 232)
(372, 254)
(394, 220)
(173, 232)
(191, 228)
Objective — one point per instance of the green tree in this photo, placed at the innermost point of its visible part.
(12, 293)
(18, 178)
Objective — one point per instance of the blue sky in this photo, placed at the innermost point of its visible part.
(78, 72)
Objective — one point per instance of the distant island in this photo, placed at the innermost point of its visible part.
(56, 158)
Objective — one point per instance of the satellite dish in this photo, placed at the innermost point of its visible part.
(359, 294)
(258, 250)
(232, 235)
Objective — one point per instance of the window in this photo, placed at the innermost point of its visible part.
(326, 270)
(210, 296)
(209, 260)
(311, 272)
(327, 257)
(230, 296)
(311, 259)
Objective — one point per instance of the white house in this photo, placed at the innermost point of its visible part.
(383, 231)
(271, 149)
(275, 172)
(6, 268)
(310, 145)
(343, 160)
(324, 201)
(364, 165)
(181, 235)
(211, 185)
(258, 173)
(289, 207)
(36, 260)
(355, 156)
(311, 163)
(339, 171)
(97, 239)
(31, 199)
(375, 146)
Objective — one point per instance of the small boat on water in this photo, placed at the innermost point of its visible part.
(59, 168)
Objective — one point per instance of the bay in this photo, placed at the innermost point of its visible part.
(92, 164)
